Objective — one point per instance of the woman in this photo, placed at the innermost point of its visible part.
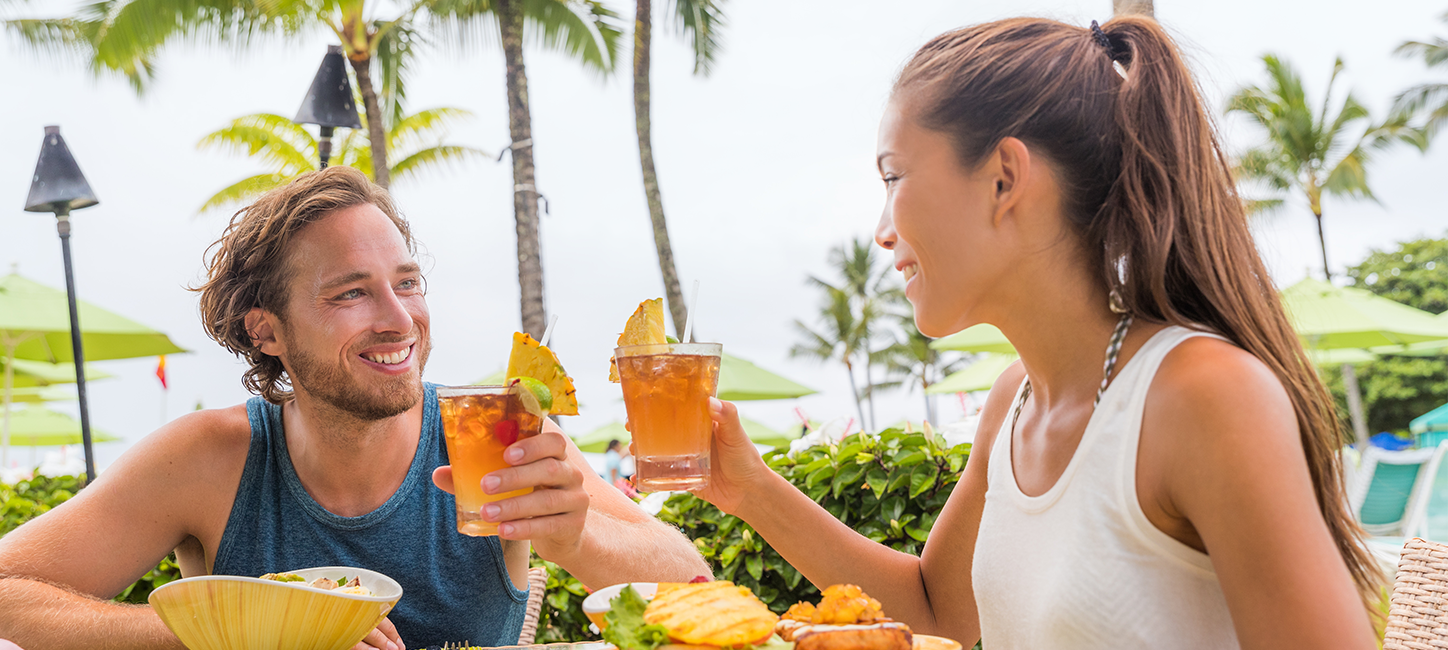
(1159, 470)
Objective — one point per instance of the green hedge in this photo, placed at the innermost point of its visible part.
(889, 487)
(29, 499)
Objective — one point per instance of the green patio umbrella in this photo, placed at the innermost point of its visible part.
(1328, 317)
(37, 426)
(596, 441)
(742, 381)
(980, 375)
(35, 325)
(29, 374)
(41, 394)
(1434, 420)
(978, 338)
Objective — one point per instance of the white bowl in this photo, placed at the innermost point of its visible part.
(596, 604)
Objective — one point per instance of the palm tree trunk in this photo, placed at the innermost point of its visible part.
(525, 193)
(1322, 240)
(1124, 7)
(642, 34)
(855, 392)
(376, 135)
(869, 388)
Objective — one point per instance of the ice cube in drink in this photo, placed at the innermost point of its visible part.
(666, 391)
(479, 422)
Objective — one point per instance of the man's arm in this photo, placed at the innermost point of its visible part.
(58, 570)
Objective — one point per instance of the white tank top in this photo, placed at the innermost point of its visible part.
(1080, 566)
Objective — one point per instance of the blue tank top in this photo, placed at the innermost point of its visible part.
(454, 587)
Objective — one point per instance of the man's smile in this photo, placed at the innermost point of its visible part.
(389, 358)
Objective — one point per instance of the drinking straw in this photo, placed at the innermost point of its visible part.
(548, 333)
(689, 319)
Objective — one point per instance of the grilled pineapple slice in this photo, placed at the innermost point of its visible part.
(644, 327)
(711, 613)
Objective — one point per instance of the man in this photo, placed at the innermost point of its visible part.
(316, 287)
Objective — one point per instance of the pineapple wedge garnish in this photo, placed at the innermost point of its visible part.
(644, 327)
(529, 359)
(711, 613)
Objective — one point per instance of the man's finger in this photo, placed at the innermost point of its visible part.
(541, 527)
(390, 631)
(549, 444)
(442, 478)
(538, 503)
(374, 640)
(546, 473)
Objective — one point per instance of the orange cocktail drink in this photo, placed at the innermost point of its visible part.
(666, 390)
(479, 422)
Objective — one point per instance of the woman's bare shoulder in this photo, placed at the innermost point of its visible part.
(997, 404)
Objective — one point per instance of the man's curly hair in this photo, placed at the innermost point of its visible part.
(250, 265)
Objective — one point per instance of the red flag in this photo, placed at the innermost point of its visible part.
(161, 371)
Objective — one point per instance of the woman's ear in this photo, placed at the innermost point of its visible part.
(1011, 166)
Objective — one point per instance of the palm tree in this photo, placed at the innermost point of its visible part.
(584, 29)
(870, 294)
(1308, 151)
(1432, 97)
(911, 362)
(839, 339)
(699, 22)
(288, 150)
(1124, 7)
(124, 36)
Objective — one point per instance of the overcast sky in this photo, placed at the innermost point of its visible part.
(765, 166)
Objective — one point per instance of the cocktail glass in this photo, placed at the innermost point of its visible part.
(666, 390)
(479, 422)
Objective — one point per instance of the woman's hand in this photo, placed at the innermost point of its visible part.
(384, 637)
(735, 467)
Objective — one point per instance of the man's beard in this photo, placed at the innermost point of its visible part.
(334, 387)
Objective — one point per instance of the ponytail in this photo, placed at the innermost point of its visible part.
(1146, 184)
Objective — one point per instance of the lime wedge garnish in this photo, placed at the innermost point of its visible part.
(534, 394)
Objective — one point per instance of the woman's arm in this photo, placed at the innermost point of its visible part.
(931, 593)
(1222, 458)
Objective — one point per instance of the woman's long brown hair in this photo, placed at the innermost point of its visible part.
(1147, 185)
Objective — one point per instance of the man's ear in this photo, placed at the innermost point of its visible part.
(261, 327)
(1011, 170)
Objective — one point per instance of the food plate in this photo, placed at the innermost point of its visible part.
(927, 642)
(597, 603)
(240, 613)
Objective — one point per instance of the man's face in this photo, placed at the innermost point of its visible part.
(355, 331)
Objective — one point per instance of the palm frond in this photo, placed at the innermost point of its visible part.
(1434, 53)
(814, 346)
(701, 22)
(586, 30)
(396, 50)
(1432, 97)
(1261, 207)
(420, 126)
(243, 191)
(433, 158)
(282, 144)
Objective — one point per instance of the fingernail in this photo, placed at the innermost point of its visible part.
(513, 455)
(491, 483)
(491, 511)
(392, 646)
(715, 404)
(505, 529)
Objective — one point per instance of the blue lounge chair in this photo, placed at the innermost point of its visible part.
(1390, 488)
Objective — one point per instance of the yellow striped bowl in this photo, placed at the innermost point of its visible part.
(236, 613)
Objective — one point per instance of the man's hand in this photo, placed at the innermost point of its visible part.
(552, 516)
(383, 638)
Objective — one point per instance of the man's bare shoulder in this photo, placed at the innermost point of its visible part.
(196, 451)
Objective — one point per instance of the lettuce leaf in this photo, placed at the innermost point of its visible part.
(626, 627)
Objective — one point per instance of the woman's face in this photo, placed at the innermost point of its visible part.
(939, 220)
